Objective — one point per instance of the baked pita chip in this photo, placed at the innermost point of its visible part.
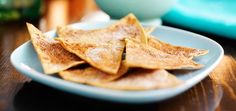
(138, 79)
(175, 50)
(91, 75)
(54, 58)
(145, 56)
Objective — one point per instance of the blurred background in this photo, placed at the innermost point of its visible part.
(46, 13)
(211, 16)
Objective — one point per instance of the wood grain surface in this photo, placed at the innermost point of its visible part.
(11, 36)
(217, 92)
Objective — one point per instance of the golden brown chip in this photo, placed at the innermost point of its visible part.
(91, 75)
(128, 26)
(68, 31)
(143, 79)
(53, 56)
(145, 56)
(100, 51)
(101, 48)
(138, 79)
(132, 27)
(175, 50)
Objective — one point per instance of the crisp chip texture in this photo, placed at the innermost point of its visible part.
(101, 48)
(54, 58)
(138, 79)
(127, 27)
(68, 31)
(142, 65)
(143, 79)
(175, 50)
(91, 75)
(97, 48)
(132, 27)
(146, 56)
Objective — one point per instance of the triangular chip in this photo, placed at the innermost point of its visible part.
(175, 50)
(141, 79)
(128, 26)
(91, 75)
(54, 58)
(68, 31)
(145, 56)
(138, 79)
(101, 48)
(131, 25)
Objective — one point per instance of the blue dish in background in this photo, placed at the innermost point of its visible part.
(212, 16)
(143, 9)
(25, 60)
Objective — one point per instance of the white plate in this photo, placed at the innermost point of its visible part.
(25, 60)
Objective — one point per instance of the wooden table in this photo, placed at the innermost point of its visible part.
(217, 92)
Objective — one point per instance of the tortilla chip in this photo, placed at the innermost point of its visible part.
(98, 48)
(68, 31)
(141, 79)
(128, 26)
(175, 50)
(91, 75)
(138, 79)
(145, 56)
(101, 48)
(131, 25)
(54, 58)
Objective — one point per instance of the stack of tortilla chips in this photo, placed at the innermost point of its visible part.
(122, 56)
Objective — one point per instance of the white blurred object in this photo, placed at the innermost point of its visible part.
(98, 16)
(153, 22)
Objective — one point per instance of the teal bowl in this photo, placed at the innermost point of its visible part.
(143, 9)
